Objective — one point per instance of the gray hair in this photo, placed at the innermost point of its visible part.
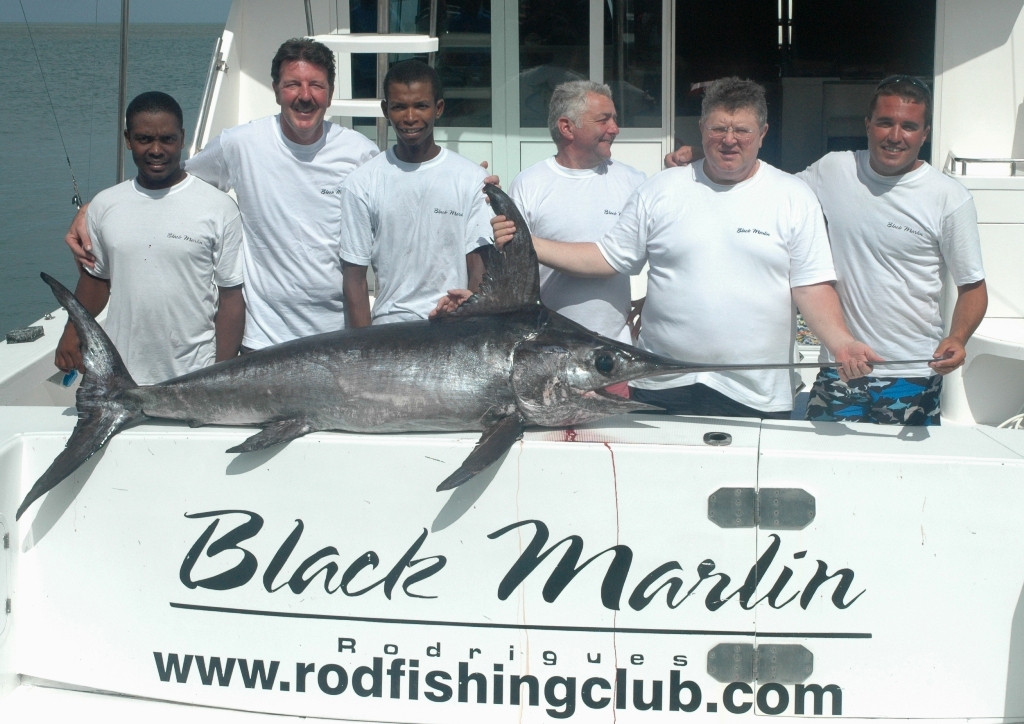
(570, 100)
(732, 94)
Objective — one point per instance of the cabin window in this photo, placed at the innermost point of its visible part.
(632, 60)
(463, 60)
(554, 42)
(819, 62)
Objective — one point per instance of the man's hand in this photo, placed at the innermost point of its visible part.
(633, 318)
(949, 355)
(447, 304)
(78, 240)
(971, 304)
(684, 156)
(819, 304)
(69, 351)
(492, 179)
(855, 358)
(504, 229)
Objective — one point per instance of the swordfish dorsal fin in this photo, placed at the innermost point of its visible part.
(512, 279)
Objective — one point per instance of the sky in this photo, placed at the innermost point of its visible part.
(109, 11)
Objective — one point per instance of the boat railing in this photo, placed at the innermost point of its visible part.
(217, 65)
(953, 160)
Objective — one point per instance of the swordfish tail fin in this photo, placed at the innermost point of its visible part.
(104, 408)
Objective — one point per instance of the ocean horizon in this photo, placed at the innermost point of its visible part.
(80, 65)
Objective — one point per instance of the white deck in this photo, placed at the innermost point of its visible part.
(924, 518)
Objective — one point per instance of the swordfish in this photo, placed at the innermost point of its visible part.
(502, 361)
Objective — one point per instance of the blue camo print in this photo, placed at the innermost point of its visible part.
(881, 400)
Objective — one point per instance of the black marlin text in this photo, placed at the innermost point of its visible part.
(419, 575)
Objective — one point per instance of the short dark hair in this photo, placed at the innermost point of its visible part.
(152, 102)
(303, 49)
(907, 87)
(413, 71)
(732, 94)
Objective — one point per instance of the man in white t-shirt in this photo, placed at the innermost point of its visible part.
(577, 195)
(416, 213)
(732, 243)
(896, 225)
(168, 256)
(286, 171)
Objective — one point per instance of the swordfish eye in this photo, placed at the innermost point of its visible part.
(604, 362)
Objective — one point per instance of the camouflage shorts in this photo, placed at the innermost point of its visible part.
(882, 400)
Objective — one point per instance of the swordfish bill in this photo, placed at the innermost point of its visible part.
(501, 362)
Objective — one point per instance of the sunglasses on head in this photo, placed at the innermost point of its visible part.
(894, 79)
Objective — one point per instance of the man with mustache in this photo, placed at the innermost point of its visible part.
(896, 225)
(286, 171)
(415, 213)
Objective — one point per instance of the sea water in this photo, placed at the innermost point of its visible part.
(80, 66)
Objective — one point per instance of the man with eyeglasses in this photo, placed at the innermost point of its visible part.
(896, 225)
(732, 243)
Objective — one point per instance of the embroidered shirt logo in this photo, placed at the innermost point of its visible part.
(448, 212)
(741, 230)
(184, 237)
(904, 227)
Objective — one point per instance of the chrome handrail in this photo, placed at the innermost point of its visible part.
(953, 160)
(216, 64)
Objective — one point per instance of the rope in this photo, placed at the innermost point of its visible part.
(77, 198)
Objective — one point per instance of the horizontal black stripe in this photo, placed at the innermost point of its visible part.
(527, 626)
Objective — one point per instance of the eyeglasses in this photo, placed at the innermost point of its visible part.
(894, 79)
(743, 135)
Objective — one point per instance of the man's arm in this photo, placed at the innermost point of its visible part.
(820, 306)
(93, 293)
(971, 304)
(475, 267)
(229, 324)
(580, 259)
(78, 240)
(357, 295)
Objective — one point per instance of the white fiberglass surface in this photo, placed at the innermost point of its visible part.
(344, 559)
(308, 579)
(907, 585)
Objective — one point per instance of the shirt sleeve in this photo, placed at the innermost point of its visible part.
(625, 246)
(810, 256)
(210, 165)
(357, 225)
(478, 222)
(227, 253)
(810, 176)
(517, 193)
(960, 245)
(101, 270)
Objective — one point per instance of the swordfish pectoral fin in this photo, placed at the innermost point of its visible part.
(495, 441)
(274, 434)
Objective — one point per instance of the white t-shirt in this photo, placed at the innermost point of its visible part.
(414, 223)
(892, 239)
(288, 196)
(165, 253)
(723, 260)
(570, 204)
